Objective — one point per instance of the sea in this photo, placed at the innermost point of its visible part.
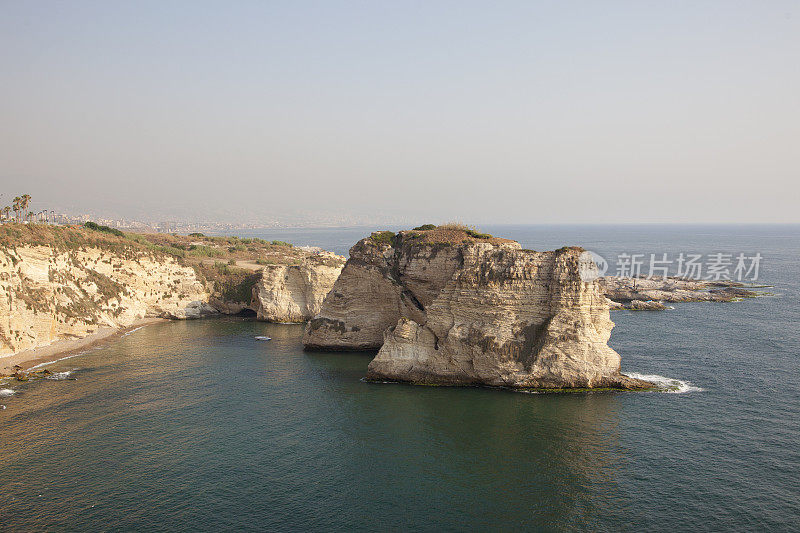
(198, 426)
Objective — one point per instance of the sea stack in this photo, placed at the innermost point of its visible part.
(447, 305)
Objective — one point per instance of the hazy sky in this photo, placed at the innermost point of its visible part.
(521, 112)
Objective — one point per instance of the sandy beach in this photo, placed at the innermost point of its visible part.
(64, 348)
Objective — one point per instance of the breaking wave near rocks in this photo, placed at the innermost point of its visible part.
(665, 384)
(59, 376)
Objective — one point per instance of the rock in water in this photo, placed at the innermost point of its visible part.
(448, 306)
(649, 293)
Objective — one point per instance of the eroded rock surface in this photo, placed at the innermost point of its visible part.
(65, 283)
(449, 307)
(47, 294)
(649, 294)
(294, 293)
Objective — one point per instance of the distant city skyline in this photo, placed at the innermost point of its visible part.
(344, 113)
(152, 219)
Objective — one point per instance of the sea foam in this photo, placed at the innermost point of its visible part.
(59, 376)
(665, 384)
(131, 331)
(40, 365)
(6, 392)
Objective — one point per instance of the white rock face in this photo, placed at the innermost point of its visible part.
(46, 295)
(471, 312)
(294, 293)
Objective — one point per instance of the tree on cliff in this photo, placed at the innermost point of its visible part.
(16, 204)
(24, 204)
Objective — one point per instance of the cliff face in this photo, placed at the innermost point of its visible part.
(450, 308)
(61, 283)
(294, 293)
(47, 295)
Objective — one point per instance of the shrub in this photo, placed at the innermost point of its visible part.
(167, 250)
(382, 237)
(207, 251)
(282, 243)
(240, 287)
(196, 235)
(425, 227)
(455, 226)
(105, 229)
(230, 283)
(473, 233)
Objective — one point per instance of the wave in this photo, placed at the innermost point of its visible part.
(665, 384)
(40, 365)
(59, 376)
(6, 392)
(131, 331)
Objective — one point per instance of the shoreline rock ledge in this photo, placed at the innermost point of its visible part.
(451, 306)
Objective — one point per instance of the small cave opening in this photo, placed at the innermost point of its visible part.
(247, 313)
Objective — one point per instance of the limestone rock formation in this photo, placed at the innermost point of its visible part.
(61, 283)
(294, 293)
(47, 294)
(449, 306)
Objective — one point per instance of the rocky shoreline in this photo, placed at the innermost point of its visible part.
(651, 294)
(63, 288)
(438, 305)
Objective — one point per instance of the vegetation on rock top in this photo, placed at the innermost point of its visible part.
(228, 265)
(448, 234)
(383, 237)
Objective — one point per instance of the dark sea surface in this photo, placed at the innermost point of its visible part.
(196, 426)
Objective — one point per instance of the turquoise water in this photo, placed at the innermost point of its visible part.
(197, 426)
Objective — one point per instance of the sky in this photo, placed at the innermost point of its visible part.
(482, 112)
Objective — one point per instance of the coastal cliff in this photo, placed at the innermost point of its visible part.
(456, 307)
(68, 283)
(47, 294)
(294, 293)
